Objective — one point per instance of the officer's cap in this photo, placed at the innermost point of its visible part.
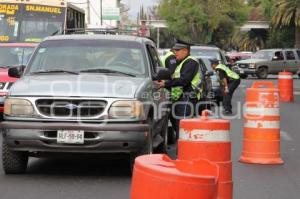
(181, 44)
(214, 61)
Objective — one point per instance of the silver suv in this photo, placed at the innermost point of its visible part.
(269, 61)
(85, 94)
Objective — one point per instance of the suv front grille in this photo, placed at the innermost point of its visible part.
(243, 65)
(72, 108)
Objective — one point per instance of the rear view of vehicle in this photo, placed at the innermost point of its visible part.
(215, 92)
(209, 51)
(11, 54)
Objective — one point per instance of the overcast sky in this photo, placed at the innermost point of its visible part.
(135, 5)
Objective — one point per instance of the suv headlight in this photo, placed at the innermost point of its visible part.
(18, 107)
(252, 65)
(126, 110)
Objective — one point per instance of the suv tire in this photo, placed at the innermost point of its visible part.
(14, 162)
(147, 149)
(262, 73)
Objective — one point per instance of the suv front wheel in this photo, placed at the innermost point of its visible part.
(262, 73)
(14, 162)
(147, 148)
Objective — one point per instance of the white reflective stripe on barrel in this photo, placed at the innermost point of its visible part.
(285, 77)
(204, 135)
(262, 111)
(261, 124)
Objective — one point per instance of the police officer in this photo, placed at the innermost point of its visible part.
(229, 80)
(184, 85)
(169, 61)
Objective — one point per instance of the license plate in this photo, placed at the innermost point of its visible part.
(241, 71)
(70, 137)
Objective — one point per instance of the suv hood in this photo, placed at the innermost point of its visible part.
(251, 61)
(77, 86)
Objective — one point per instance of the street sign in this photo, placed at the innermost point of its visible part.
(111, 13)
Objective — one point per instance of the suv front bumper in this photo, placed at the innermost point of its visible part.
(98, 138)
(244, 71)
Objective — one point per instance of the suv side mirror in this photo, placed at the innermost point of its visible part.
(16, 72)
(209, 73)
(274, 58)
(162, 74)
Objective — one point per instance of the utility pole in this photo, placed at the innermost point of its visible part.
(88, 11)
(101, 12)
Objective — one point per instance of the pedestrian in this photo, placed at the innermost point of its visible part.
(184, 85)
(169, 61)
(230, 80)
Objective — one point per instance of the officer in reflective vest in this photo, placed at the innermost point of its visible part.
(169, 61)
(230, 81)
(185, 85)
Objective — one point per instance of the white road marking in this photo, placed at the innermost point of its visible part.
(296, 93)
(285, 136)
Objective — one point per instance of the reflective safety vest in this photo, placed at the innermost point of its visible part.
(230, 73)
(176, 92)
(165, 57)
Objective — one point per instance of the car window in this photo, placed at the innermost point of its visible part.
(198, 52)
(279, 55)
(154, 59)
(202, 66)
(298, 53)
(11, 56)
(290, 55)
(89, 54)
(263, 55)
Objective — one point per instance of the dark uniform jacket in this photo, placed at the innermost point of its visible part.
(187, 73)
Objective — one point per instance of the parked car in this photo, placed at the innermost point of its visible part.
(214, 93)
(209, 51)
(269, 61)
(11, 54)
(86, 94)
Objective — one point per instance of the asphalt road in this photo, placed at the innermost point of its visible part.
(100, 177)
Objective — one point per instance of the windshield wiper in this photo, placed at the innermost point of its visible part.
(55, 71)
(99, 70)
(5, 66)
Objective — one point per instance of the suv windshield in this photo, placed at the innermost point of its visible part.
(197, 52)
(98, 56)
(12, 56)
(263, 55)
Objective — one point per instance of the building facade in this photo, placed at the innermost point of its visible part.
(100, 13)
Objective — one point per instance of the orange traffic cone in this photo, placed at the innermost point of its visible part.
(261, 143)
(159, 177)
(209, 139)
(285, 85)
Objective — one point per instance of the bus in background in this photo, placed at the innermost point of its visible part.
(23, 24)
(33, 20)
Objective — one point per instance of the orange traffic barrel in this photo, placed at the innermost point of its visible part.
(286, 87)
(208, 139)
(159, 177)
(261, 144)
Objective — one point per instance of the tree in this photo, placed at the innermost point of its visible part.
(200, 21)
(287, 12)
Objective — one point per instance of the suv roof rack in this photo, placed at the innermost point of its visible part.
(105, 31)
(206, 45)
